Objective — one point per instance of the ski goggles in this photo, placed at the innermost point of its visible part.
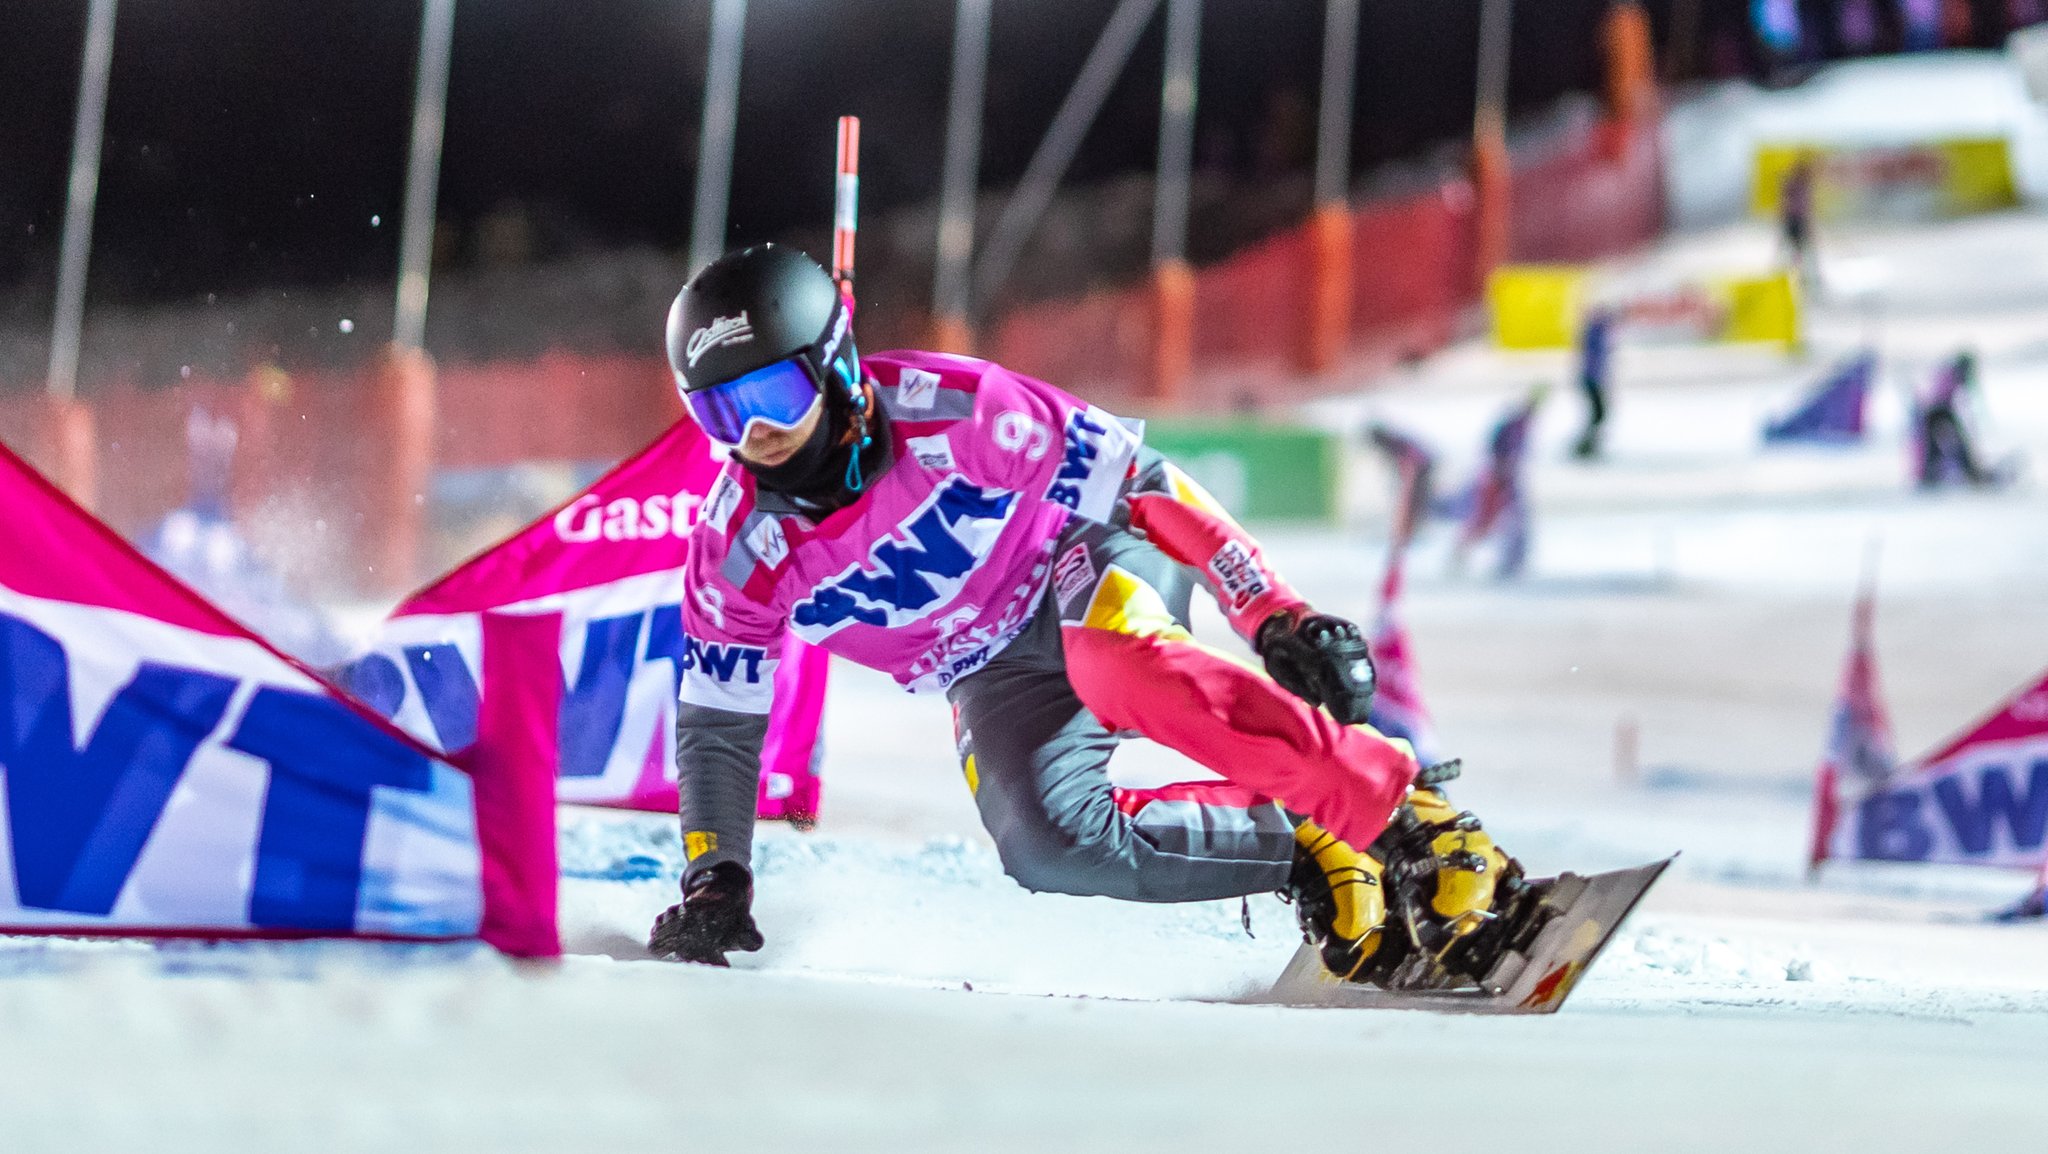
(780, 396)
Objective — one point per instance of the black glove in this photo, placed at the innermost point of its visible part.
(715, 916)
(1321, 659)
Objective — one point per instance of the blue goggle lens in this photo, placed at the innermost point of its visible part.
(780, 395)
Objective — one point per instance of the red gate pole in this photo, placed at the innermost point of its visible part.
(402, 465)
(65, 446)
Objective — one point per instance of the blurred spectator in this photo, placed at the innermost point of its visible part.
(1821, 21)
(1859, 26)
(1779, 30)
(199, 544)
(1989, 21)
(1920, 22)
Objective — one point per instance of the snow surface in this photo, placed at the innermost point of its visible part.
(1693, 587)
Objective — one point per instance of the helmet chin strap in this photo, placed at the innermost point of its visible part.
(858, 401)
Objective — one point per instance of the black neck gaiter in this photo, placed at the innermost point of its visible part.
(815, 475)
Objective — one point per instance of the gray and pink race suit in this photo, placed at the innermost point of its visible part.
(1026, 555)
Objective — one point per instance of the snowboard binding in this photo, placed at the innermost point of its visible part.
(1456, 903)
(1435, 916)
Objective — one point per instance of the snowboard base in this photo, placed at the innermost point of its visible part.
(1586, 910)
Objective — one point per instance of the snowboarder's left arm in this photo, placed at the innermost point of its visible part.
(1318, 657)
(1184, 522)
(1030, 437)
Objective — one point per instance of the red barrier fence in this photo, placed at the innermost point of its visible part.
(1600, 193)
(1413, 273)
(562, 407)
(325, 455)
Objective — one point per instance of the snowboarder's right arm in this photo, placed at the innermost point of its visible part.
(718, 771)
(731, 647)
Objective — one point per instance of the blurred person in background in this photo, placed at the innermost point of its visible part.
(1496, 504)
(976, 532)
(1781, 37)
(1946, 455)
(1595, 348)
(1795, 220)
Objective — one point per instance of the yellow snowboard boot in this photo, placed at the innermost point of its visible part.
(1457, 899)
(1337, 898)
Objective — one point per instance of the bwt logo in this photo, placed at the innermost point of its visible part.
(79, 817)
(592, 711)
(722, 663)
(1900, 825)
(590, 518)
(1083, 436)
(940, 545)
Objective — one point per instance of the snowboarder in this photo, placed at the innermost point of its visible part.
(1946, 455)
(984, 534)
(1414, 482)
(1495, 504)
(1595, 340)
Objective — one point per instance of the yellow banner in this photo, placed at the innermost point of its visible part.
(1937, 178)
(1535, 306)
(1544, 306)
(1760, 309)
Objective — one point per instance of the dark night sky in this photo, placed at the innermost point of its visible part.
(251, 142)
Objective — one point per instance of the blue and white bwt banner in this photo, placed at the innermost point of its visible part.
(165, 771)
(606, 568)
(1982, 799)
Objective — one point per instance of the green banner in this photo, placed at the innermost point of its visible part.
(1259, 472)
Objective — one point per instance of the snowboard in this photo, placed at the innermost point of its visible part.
(1580, 915)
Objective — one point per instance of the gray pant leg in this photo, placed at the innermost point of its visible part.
(1040, 771)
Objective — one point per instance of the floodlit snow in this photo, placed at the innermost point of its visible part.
(1694, 589)
(1881, 101)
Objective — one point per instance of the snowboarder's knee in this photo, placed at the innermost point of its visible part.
(1056, 860)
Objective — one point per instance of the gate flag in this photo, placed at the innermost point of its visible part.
(165, 771)
(1397, 708)
(1833, 414)
(603, 573)
(1859, 758)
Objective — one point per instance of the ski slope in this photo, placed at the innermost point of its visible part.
(910, 997)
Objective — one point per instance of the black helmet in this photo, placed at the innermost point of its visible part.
(753, 307)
